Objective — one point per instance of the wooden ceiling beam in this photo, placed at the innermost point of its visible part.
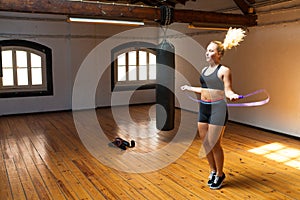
(110, 11)
(83, 9)
(244, 6)
(147, 2)
(251, 1)
(190, 16)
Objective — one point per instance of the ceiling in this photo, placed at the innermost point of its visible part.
(146, 2)
(229, 12)
(206, 5)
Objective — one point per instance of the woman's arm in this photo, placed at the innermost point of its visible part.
(229, 93)
(192, 89)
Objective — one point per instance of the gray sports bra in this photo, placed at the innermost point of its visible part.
(211, 81)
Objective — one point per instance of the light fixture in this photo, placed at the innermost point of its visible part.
(212, 26)
(105, 21)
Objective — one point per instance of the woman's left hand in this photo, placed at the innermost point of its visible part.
(234, 97)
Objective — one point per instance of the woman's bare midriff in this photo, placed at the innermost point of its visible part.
(210, 95)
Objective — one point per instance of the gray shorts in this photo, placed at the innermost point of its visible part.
(213, 113)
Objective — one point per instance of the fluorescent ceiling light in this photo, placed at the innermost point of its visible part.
(192, 26)
(105, 21)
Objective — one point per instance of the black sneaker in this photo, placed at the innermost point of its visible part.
(211, 178)
(217, 182)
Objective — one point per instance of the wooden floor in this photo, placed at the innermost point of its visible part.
(42, 157)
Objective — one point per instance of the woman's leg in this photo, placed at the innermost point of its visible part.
(215, 134)
(211, 134)
(216, 128)
(203, 130)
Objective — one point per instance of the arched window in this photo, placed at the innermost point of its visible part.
(25, 69)
(134, 66)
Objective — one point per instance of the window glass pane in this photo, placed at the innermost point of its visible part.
(21, 58)
(36, 74)
(8, 77)
(136, 67)
(122, 59)
(36, 60)
(25, 69)
(121, 73)
(7, 60)
(152, 59)
(142, 72)
(142, 58)
(152, 72)
(22, 76)
(132, 73)
(132, 58)
(36, 70)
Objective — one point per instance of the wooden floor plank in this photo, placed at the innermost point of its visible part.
(45, 184)
(145, 186)
(70, 154)
(51, 175)
(14, 179)
(43, 153)
(10, 159)
(123, 184)
(5, 191)
(248, 170)
(74, 190)
(35, 187)
(70, 159)
(202, 172)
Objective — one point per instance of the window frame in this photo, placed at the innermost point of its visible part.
(46, 89)
(130, 85)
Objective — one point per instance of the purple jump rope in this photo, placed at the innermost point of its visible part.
(247, 104)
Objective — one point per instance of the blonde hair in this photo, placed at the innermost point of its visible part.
(232, 39)
(220, 47)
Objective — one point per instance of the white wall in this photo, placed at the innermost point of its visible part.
(51, 34)
(269, 58)
(70, 44)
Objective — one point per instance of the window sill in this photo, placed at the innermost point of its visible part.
(133, 87)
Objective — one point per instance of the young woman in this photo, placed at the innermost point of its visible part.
(216, 86)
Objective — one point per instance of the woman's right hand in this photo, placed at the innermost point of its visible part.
(185, 87)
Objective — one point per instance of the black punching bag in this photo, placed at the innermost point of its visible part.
(1, 73)
(165, 77)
